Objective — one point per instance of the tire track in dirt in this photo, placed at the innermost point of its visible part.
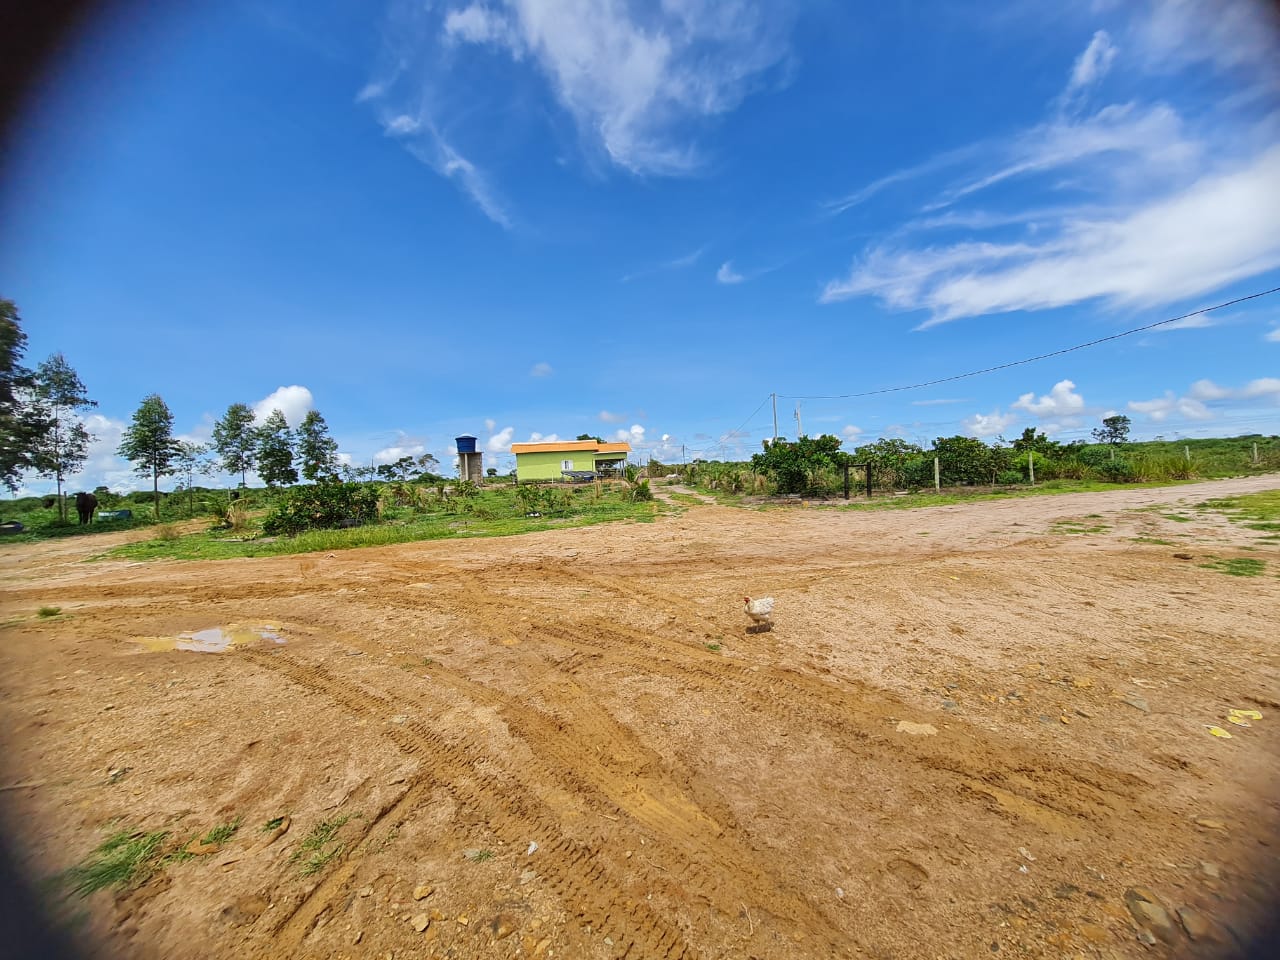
(1071, 798)
(600, 758)
(574, 869)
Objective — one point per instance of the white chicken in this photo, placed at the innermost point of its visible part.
(760, 611)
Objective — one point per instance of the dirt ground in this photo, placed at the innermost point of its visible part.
(973, 730)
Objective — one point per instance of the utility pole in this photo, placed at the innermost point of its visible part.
(775, 417)
(799, 427)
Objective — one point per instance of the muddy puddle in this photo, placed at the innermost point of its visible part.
(215, 639)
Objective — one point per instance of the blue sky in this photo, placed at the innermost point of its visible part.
(524, 218)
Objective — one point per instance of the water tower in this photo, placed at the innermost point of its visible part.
(470, 460)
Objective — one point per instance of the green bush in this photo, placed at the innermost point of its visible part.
(641, 493)
(322, 506)
(1115, 471)
(1008, 477)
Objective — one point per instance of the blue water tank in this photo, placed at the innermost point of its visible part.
(465, 444)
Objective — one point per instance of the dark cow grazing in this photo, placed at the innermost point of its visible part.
(86, 503)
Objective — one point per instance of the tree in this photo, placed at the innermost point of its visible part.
(59, 441)
(275, 451)
(14, 378)
(795, 467)
(317, 451)
(964, 459)
(426, 464)
(1114, 430)
(587, 436)
(190, 459)
(888, 457)
(149, 444)
(401, 469)
(235, 440)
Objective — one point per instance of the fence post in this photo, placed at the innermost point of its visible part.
(1255, 453)
(1187, 450)
(866, 468)
(937, 476)
(1031, 465)
(846, 481)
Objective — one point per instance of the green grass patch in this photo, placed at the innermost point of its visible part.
(479, 856)
(1237, 566)
(931, 498)
(686, 499)
(1153, 540)
(46, 612)
(223, 832)
(275, 823)
(1177, 517)
(125, 858)
(492, 513)
(319, 846)
(713, 647)
(1071, 527)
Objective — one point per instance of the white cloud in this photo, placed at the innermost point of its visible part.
(939, 402)
(1061, 401)
(478, 24)
(1219, 230)
(542, 369)
(636, 79)
(1272, 336)
(1190, 323)
(294, 402)
(489, 424)
(726, 273)
(1208, 390)
(988, 425)
(402, 125)
(1266, 387)
(405, 446)
(608, 417)
(1161, 407)
(634, 436)
(1228, 34)
(500, 442)
(851, 433)
(536, 437)
(1091, 66)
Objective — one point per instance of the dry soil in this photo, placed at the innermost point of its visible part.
(972, 731)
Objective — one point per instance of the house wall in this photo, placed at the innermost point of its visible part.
(546, 464)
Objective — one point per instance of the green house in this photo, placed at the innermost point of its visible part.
(552, 460)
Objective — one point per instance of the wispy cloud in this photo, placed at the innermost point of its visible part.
(542, 369)
(676, 263)
(424, 141)
(1145, 208)
(940, 401)
(636, 82)
(608, 417)
(1272, 335)
(1200, 399)
(726, 274)
(1197, 240)
(1090, 67)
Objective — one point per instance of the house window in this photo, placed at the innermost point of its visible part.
(566, 464)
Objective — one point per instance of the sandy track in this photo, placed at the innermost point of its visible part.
(694, 790)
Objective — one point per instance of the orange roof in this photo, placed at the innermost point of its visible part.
(548, 446)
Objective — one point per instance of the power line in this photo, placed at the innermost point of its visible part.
(723, 437)
(1043, 356)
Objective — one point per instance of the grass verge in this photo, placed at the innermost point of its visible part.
(122, 860)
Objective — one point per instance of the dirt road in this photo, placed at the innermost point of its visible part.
(972, 731)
